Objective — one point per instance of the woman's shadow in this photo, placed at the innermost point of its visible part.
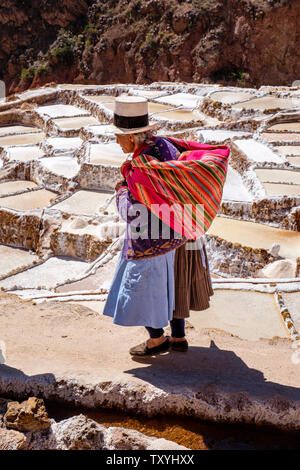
(201, 368)
(16, 383)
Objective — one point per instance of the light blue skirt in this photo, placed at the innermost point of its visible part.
(142, 292)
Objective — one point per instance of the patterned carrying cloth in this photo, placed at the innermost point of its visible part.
(196, 178)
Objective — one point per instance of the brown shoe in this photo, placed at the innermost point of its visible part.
(143, 350)
(181, 346)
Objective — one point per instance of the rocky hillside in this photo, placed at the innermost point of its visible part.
(244, 42)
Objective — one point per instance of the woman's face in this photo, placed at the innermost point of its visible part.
(126, 142)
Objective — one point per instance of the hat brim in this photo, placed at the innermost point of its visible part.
(120, 130)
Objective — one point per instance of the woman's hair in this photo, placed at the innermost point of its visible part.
(141, 137)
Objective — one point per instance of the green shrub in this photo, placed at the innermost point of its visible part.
(89, 27)
(42, 69)
(27, 73)
(64, 54)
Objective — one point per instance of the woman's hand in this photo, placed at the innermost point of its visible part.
(120, 184)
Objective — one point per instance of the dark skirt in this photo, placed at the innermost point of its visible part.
(193, 286)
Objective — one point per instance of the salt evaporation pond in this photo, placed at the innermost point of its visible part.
(71, 86)
(61, 110)
(15, 186)
(180, 99)
(289, 149)
(106, 130)
(17, 129)
(84, 202)
(286, 126)
(28, 201)
(248, 315)
(230, 97)
(278, 176)
(109, 106)
(106, 154)
(55, 270)
(157, 107)
(14, 258)
(149, 94)
(74, 122)
(63, 143)
(24, 153)
(281, 137)
(102, 278)
(294, 160)
(211, 135)
(35, 93)
(234, 188)
(257, 235)
(179, 115)
(257, 151)
(268, 103)
(22, 139)
(63, 166)
(278, 189)
(101, 98)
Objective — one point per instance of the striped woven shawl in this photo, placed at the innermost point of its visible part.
(185, 193)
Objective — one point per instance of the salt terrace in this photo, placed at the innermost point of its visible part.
(60, 234)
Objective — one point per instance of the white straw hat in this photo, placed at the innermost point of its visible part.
(131, 115)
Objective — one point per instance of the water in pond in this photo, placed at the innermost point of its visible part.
(179, 115)
(191, 433)
(281, 136)
(278, 189)
(75, 122)
(15, 186)
(286, 126)
(22, 139)
(13, 258)
(268, 103)
(110, 154)
(229, 97)
(101, 98)
(294, 160)
(257, 235)
(28, 201)
(157, 107)
(289, 149)
(84, 202)
(25, 153)
(71, 86)
(278, 176)
(17, 129)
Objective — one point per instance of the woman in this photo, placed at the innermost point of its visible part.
(143, 290)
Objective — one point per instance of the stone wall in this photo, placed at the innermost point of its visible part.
(296, 215)
(85, 247)
(277, 211)
(33, 170)
(20, 230)
(98, 176)
(235, 259)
